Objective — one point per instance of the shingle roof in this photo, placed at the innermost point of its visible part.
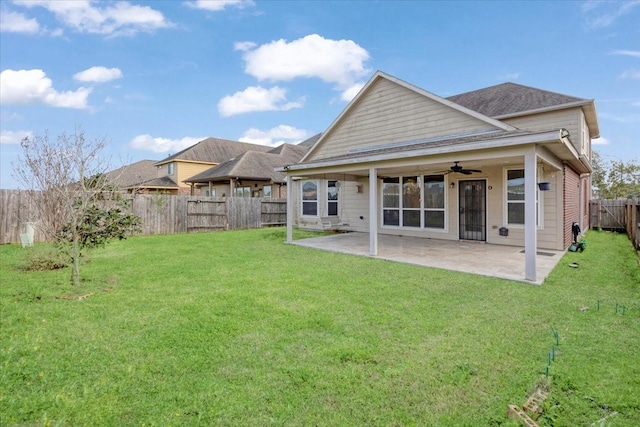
(162, 182)
(511, 98)
(133, 174)
(308, 143)
(254, 165)
(214, 150)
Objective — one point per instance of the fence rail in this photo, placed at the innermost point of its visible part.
(617, 215)
(160, 214)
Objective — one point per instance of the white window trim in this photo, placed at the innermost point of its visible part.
(444, 209)
(302, 201)
(422, 209)
(539, 200)
(327, 201)
(171, 168)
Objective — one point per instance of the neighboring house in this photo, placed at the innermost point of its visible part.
(391, 163)
(251, 174)
(140, 177)
(175, 169)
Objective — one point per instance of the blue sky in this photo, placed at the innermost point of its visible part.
(155, 77)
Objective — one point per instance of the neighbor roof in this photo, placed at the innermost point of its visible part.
(254, 165)
(214, 150)
(133, 174)
(162, 182)
(510, 98)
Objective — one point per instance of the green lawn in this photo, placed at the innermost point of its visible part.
(237, 328)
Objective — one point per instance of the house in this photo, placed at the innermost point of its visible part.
(251, 174)
(403, 161)
(141, 176)
(175, 169)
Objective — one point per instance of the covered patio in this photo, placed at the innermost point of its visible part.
(505, 262)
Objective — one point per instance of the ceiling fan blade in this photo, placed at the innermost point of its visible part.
(474, 170)
(466, 172)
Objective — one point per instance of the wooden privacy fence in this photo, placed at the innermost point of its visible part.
(160, 214)
(617, 215)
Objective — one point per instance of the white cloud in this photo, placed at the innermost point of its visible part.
(14, 136)
(350, 93)
(244, 46)
(600, 141)
(341, 62)
(275, 136)
(107, 18)
(632, 53)
(14, 22)
(98, 74)
(509, 76)
(163, 145)
(218, 5)
(630, 74)
(24, 87)
(256, 98)
(600, 14)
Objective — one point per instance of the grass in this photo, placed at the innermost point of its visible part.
(237, 328)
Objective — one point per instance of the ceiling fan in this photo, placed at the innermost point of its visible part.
(459, 169)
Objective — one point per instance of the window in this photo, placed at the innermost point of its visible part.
(170, 168)
(332, 198)
(410, 202)
(406, 204)
(243, 192)
(310, 198)
(266, 191)
(434, 201)
(391, 201)
(515, 198)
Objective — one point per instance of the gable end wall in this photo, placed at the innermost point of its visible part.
(390, 113)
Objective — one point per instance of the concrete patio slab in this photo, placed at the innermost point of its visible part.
(506, 262)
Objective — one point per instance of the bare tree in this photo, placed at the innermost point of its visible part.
(76, 205)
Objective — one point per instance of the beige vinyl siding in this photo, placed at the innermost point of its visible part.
(548, 234)
(354, 204)
(185, 170)
(572, 119)
(392, 113)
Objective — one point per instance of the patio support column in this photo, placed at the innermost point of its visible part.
(530, 226)
(373, 212)
(289, 209)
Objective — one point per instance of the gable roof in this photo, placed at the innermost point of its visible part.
(213, 150)
(161, 182)
(510, 98)
(254, 165)
(381, 75)
(133, 174)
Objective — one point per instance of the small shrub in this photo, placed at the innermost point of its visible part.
(43, 258)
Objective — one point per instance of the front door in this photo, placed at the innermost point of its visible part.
(473, 209)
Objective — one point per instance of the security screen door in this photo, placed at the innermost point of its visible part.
(473, 209)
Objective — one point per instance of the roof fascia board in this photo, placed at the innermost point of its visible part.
(539, 137)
